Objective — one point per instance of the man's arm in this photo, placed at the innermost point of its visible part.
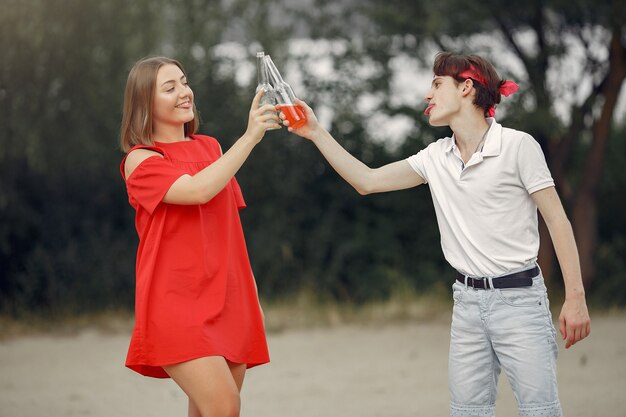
(574, 322)
(365, 180)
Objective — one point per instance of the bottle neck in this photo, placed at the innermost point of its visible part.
(273, 73)
(261, 70)
(283, 91)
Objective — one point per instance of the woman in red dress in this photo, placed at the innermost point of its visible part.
(197, 313)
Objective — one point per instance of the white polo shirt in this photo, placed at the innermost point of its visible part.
(486, 217)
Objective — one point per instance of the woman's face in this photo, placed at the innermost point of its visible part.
(173, 98)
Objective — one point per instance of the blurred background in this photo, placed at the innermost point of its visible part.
(67, 237)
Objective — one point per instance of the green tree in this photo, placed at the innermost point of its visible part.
(67, 241)
(64, 233)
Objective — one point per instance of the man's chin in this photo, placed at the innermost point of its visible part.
(436, 123)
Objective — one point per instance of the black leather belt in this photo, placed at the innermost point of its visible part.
(514, 280)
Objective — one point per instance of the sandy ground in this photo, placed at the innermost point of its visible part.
(393, 370)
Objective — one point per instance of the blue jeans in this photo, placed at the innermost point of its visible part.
(502, 328)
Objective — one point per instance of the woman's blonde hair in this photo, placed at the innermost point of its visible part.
(138, 97)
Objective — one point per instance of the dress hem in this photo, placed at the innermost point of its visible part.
(157, 371)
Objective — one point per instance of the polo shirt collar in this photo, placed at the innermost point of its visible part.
(493, 141)
(450, 145)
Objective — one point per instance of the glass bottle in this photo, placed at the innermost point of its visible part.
(263, 82)
(285, 97)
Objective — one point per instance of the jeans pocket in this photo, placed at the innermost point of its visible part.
(458, 291)
(521, 297)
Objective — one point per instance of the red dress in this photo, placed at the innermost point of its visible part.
(195, 293)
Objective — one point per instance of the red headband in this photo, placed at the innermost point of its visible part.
(507, 88)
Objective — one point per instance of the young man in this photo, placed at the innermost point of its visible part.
(487, 183)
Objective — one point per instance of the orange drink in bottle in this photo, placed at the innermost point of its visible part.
(285, 97)
(294, 114)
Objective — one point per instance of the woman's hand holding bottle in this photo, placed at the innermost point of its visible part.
(261, 118)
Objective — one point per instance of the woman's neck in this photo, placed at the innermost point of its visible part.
(168, 134)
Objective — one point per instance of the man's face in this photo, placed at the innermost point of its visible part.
(444, 100)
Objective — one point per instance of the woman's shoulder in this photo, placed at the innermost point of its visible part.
(205, 138)
(208, 141)
(136, 155)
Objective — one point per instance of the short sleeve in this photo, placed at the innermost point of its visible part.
(532, 166)
(151, 180)
(417, 163)
(238, 194)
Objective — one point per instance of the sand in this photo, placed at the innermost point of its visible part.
(394, 369)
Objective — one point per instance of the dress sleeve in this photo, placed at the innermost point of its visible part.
(241, 203)
(151, 180)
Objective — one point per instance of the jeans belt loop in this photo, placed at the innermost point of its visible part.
(465, 276)
(490, 282)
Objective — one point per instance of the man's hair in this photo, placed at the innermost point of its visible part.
(486, 80)
(138, 99)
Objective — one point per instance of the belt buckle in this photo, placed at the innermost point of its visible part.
(475, 284)
(485, 283)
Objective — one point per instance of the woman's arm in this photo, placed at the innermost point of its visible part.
(203, 186)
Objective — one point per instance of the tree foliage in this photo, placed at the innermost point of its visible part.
(63, 67)
(67, 240)
(572, 57)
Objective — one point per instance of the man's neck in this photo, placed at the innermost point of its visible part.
(469, 133)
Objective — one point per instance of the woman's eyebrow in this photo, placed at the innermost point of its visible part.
(171, 81)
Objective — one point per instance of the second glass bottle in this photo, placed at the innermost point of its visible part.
(263, 82)
(285, 97)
